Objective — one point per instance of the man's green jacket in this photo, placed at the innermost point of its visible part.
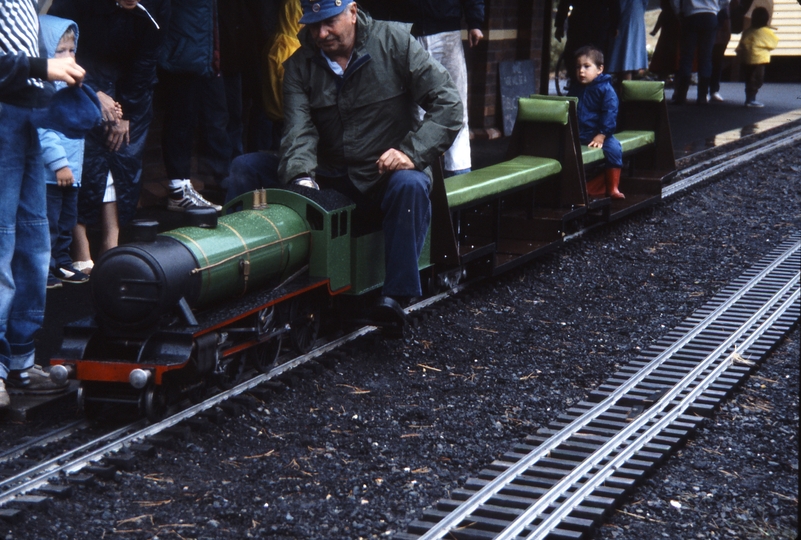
(340, 126)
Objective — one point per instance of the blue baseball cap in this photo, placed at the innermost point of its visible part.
(315, 11)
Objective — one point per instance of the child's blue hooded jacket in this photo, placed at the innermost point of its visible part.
(57, 150)
(597, 107)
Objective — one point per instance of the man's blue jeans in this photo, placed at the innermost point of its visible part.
(405, 209)
(24, 238)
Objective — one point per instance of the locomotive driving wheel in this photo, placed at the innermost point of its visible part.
(154, 402)
(304, 321)
(265, 355)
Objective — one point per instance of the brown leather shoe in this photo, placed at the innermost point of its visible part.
(34, 380)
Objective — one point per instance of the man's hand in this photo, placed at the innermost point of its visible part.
(474, 36)
(64, 177)
(65, 69)
(110, 109)
(117, 134)
(394, 160)
(597, 141)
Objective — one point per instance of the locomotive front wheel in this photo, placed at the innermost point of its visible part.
(231, 371)
(155, 403)
(304, 321)
(90, 408)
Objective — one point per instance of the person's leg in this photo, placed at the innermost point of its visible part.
(718, 51)
(67, 222)
(29, 266)
(758, 79)
(54, 202)
(750, 90)
(81, 254)
(214, 126)
(110, 227)
(689, 40)
(448, 50)
(407, 215)
(707, 30)
(613, 154)
(14, 140)
(180, 120)
(250, 172)
(235, 106)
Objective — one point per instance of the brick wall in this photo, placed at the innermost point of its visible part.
(513, 30)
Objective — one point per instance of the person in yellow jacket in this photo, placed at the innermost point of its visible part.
(260, 169)
(284, 43)
(754, 52)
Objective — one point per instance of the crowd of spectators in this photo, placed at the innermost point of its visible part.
(219, 67)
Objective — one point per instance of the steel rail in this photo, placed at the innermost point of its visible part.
(52, 436)
(38, 475)
(752, 151)
(602, 453)
(451, 521)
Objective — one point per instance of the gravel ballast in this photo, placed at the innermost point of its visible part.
(360, 449)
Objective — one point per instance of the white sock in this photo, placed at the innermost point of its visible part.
(178, 183)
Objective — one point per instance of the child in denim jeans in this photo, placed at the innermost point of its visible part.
(63, 159)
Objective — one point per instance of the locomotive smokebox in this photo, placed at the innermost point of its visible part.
(135, 284)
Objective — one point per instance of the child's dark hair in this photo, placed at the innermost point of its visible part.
(759, 17)
(593, 53)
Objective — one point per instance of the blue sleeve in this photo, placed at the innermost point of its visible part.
(53, 153)
(608, 117)
(14, 71)
(474, 13)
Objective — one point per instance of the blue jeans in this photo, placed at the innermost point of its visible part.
(402, 204)
(62, 215)
(24, 240)
(250, 172)
(613, 152)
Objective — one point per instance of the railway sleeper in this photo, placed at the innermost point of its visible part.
(505, 500)
(567, 465)
(624, 478)
(56, 490)
(558, 468)
(667, 436)
(507, 514)
(655, 453)
(480, 527)
(527, 481)
(597, 502)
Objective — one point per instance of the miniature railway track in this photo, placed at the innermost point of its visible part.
(26, 479)
(562, 482)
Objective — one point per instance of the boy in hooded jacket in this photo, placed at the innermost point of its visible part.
(63, 161)
(597, 118)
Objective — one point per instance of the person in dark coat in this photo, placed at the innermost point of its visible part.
(351, 97)
(120, 42)
(194, 93)
(591, 22)
(597, 118)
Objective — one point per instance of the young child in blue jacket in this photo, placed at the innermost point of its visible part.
(597, 118)
(63, 160)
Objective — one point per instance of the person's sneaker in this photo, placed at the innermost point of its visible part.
(754, 104)
(34, 379)
(53, 282)
(5, 400)
(717, 97)
(68, 274)
(186, 197)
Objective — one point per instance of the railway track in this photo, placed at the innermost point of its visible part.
(562, 482)
(48, 475)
